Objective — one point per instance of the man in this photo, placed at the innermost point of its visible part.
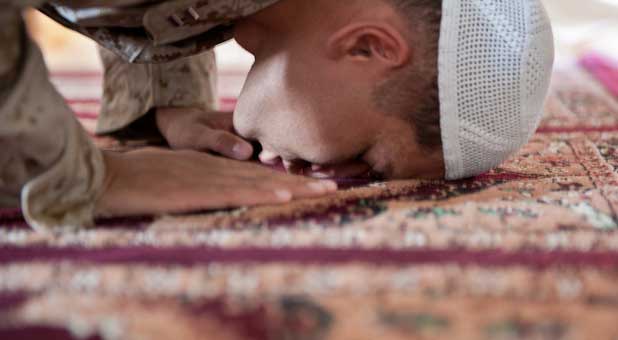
(402, 88)
(406, 88)
(48, 159)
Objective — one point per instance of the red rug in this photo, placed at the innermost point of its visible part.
(603, 69)
(529, 250)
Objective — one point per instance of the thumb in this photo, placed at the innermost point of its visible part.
(224, 143)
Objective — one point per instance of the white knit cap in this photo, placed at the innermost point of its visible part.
(495, 64)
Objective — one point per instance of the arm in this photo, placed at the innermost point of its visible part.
(175, 100)
(48, 162)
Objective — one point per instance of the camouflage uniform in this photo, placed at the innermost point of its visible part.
(47, 162)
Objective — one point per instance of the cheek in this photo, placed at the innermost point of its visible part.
(294, 136)
(260, 98)
(403, 159)
(272, 125)
(290, 135)
(252, 113)
(326, 144)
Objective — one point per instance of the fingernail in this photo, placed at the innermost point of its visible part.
(322, 174)
(283, 195)
(330, 185)
(324, 186)
(316, 187)
(242, 151)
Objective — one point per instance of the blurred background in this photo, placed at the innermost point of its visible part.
(580, 27)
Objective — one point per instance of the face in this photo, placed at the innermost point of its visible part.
(302, 103)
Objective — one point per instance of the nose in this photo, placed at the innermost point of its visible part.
(244, 127)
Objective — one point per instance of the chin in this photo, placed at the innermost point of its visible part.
(247, 36)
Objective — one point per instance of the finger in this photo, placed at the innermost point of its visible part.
(302, 187)
(220, 121)
(313, 189)
(267, 179)
(199, 197)
(236, 197)
(259, 197)
(225, 143)
(271, 192)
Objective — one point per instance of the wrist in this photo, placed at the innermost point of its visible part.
(110, 162)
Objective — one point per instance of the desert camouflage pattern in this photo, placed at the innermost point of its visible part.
(155, 54)
(154, 31)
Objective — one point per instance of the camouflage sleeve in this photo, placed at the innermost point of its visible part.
(47, 162)
(132, 91)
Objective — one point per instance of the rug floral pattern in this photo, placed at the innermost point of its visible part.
(529, 250)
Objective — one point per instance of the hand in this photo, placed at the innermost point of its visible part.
(194, 129)
(155, 181)
(352, 169)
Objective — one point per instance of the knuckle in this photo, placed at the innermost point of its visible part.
(183, 139)
(221, 141)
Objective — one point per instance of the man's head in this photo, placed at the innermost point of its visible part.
(414, 88)
(340, 80)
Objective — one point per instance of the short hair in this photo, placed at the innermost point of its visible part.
(412, 93)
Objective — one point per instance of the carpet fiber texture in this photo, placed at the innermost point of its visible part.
(529, 250)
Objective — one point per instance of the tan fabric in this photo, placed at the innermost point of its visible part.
(132, 90)
(46, 155)
(48, 162)
(169, 29)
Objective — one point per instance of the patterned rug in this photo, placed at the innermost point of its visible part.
(529, 250)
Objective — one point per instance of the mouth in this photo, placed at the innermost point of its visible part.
(356, 168)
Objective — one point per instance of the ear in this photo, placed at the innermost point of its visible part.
(370, 41)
